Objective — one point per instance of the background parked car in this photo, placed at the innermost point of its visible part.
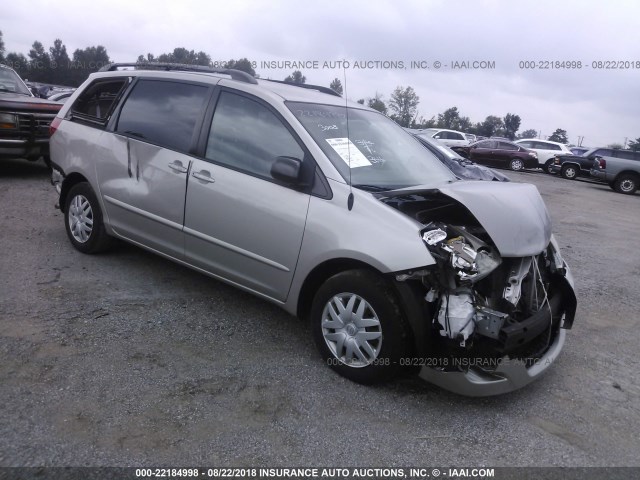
(24, 119)
(471, 137)
(450, 138)
(579, 150)
(499, 153)
(620, 169)
(460, 166)
(60, 97)
(545, 149)
(573, 166)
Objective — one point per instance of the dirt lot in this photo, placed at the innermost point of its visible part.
(128, 359)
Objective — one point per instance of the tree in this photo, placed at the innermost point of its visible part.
(148, 59)
(635, 145)
(336, 85)
(448, 119)
(511, 125)
(530, 133)
(1, 48)
(559, 136)
(59, 63)
(296, 77)
(361, 101)
(184, 56)
(404, 105)
(18, 62)
(87, 61)
(242, 64)
(39, 63)
(422, 123)
(490, 126)
(377, 103)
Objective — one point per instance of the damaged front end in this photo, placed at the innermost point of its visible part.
(494, 320)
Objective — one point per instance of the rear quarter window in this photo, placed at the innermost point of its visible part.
(97, 102)
(163, 112)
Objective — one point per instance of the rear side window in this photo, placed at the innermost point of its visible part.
(98, 100)
(247, 136)
(604, 152)
(506, 146)
(627, 155)
(526, 144)
(163, 113)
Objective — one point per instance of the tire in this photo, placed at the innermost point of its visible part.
(368, 352)
(547, 167)
(570, 172)
(83, 220)
(516, 164)
(626, 183)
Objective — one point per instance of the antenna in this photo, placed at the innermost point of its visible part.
(346, 110)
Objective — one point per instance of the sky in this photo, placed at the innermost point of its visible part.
(380, 40)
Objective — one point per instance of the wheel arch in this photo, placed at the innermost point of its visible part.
(628, 172)
(68, 183)
(408, 293)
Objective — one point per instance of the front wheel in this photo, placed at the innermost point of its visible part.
(547, 167)
(570, 172)
(359, 327)
(83, 220)
(626, 183)
(516, 164)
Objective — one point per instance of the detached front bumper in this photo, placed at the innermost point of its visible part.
(510, 375)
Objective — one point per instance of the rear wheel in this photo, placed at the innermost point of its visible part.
(83, 220)
(626, 183)
(516, 164)
(358, 326)
(570, 172)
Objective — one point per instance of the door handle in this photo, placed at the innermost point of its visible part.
(178, 167)
(203, 175)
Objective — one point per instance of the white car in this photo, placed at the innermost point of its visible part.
(546, 150)
(450, 138)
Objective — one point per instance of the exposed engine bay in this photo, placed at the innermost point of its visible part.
(482, 305)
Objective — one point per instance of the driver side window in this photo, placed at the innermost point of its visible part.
(247, 136)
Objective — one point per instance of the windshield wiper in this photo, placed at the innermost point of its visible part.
(371, 188)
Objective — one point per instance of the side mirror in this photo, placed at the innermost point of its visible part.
(287, 170)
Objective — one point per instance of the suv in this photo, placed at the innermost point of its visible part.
(619, 168)
(326, 208)
(24, 119)
(450, 138)
(545, 149)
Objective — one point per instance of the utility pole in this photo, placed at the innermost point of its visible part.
(624, 146)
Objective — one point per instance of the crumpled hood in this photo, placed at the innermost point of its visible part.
(513, 214)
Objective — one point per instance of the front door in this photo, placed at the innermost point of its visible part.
(240, 224)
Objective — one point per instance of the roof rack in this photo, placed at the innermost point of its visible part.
(233, 73)
(319, 88)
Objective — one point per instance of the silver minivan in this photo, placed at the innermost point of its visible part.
(326, 208)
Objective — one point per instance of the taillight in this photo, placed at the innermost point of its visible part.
(54, 126)
(601, 163)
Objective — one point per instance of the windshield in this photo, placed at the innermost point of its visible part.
(376, 153)
(11, 82)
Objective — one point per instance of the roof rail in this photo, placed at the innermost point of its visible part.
(233, 73)
(319, 88)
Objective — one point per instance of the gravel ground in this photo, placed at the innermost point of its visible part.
(127, 359)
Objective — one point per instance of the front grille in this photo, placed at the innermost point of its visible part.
(35, 124)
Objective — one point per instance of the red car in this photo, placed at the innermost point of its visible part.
(499, 153)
